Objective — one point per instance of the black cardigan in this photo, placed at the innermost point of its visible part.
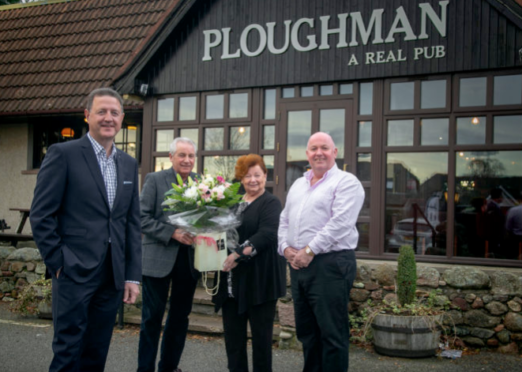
(263, 277)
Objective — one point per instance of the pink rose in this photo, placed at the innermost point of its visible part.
(220, 179)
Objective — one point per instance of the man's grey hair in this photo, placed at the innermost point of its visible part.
(102, 92)
(174, 144)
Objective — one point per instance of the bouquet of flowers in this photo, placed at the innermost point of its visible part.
(202, 207)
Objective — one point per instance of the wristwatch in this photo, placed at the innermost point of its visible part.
(309, 252)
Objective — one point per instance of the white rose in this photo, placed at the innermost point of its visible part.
(191, 193)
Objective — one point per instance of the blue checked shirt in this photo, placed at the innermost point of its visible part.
(107, 167)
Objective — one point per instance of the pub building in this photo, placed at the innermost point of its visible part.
(423, 99)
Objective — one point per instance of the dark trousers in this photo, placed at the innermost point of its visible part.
(321, 293)
(261, 319)
(155, 295)
(83, 317)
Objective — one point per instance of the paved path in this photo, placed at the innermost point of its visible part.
(25, 346)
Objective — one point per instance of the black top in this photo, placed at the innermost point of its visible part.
(263, 277)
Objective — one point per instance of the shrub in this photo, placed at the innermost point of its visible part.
(406, 275)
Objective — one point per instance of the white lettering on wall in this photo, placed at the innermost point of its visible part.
(361, 31)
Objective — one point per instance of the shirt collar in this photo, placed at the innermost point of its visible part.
(310, 174)
(99, 148)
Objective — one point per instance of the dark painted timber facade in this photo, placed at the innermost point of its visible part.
(423, 99)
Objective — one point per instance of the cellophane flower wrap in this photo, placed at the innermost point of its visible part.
(201, 206)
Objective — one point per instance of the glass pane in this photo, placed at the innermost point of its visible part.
(298, 132)
(507, 129)
(163, 139)
(365, 210)
(326, 90)
(307, 91)
(365, 134)
(214, 138)
(471, 130)
(400, 132)
(508, 90)
(288, 92)
(269, 137)
(332, 122)
(346, 89)
(162, 164)
(401, 96)
(364, 163)
(120, 136)
(434, 131)
(364, 237)
(187, 108)
(222, 165)
(269, 163)
(193, 134)
(365, 98)
(131, 133)
(166, 109)
(238, 105)
(433, 94)
(239, 138)
(472, 92)
(488, 187)
(415, 203)
(215, 106)
(270, 104)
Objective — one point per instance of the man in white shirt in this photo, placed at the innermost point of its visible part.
(318, 236)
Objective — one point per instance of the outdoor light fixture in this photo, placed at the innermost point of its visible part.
(67, 133)
(475, 121)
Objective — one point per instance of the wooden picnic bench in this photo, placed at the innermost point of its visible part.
(15, 237)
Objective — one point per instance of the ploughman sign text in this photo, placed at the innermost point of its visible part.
(362, 32)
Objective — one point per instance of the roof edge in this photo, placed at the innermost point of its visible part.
(510, 9)
(124, 82)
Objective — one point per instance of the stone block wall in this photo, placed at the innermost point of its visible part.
(486, 303)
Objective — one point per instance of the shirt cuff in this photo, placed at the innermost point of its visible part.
(132, 281)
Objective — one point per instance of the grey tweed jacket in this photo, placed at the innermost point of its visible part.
(159, 250)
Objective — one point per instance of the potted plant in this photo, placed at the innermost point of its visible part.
(411, 327)
(35, 299)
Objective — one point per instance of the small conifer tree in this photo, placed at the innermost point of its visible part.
(406, 275)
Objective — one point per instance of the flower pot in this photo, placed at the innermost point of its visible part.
(406, 336)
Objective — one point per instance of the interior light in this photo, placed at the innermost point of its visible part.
(85, 120)
(461, 154)
(67, 132)
(241, 130)
(132, 127)
(475, 121)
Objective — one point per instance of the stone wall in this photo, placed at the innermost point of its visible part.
(486, 303)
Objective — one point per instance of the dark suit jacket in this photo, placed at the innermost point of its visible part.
(263, 277)
(159, 249)
(71, 219)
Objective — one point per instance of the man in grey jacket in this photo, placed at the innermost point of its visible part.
(167, 259)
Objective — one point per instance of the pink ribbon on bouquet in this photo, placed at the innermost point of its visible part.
(209, 241)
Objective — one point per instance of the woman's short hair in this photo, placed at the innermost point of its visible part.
(174, 144)
(245, 162)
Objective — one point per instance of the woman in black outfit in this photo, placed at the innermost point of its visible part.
(254, 276)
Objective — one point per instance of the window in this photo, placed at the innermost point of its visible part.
(401, 97)
(472, 92)
(507, 90)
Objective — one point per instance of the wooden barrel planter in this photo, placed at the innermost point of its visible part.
(406, 336)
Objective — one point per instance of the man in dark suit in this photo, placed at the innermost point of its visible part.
(168, 260)
(85, 222)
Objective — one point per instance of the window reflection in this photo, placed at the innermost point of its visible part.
(365, 98)
(238, 105)
(222, 165)
(507, 90)
(307, 91)
(269, 137)
(488, 186)
(507, 129)
(187, 108)
(166, 109)
(415, 202)
(434, 132)
(215, 107)
(299, 130)
(269, 163)
(365, 134)
(364, 237)
(364, 162)
(401, 96)
(331, 121)
(214, 138)
(163, 139)
(239, 138)
(288, 92)
(433, 94)
(471, 130)
(326, 90)
(270, 103)
(472, 92)
(346, 89)
(400, 132)
(162, 163)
